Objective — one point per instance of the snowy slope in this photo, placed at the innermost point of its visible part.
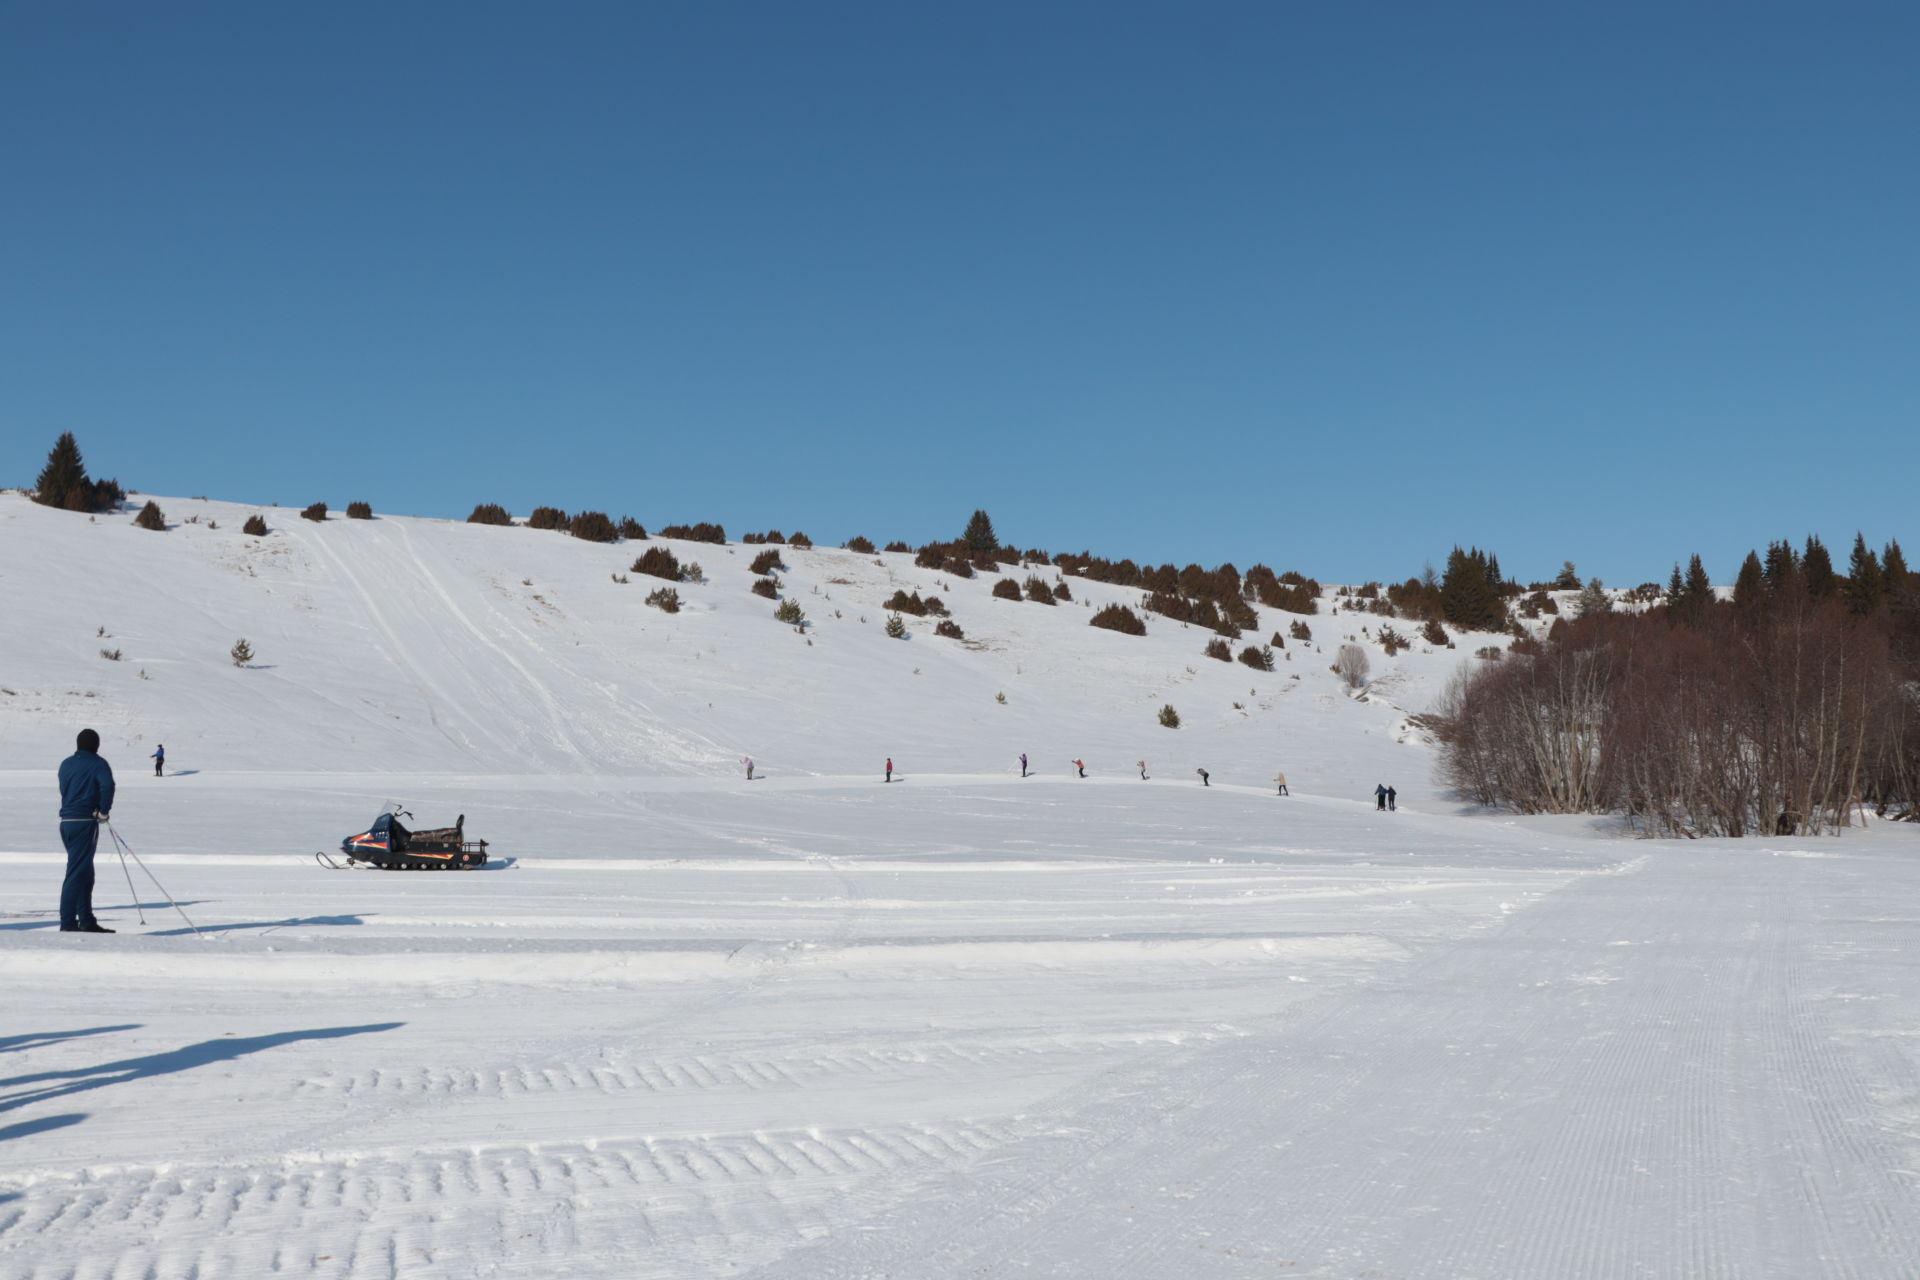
(430, 646)
(816, 1025)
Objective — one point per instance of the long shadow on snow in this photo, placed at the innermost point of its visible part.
(41, 1125)
(257, 924)
(205, 1053)
(34, 1039)
(52, 918)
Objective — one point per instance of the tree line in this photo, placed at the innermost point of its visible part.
(1785, 708)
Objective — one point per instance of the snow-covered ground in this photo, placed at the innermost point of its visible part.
(817, 1025)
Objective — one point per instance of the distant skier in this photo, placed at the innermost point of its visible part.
(86, 798)
(889, 768)
(748, 761)
(1023, 764)
(159, 759)
(1081, 765)
(1143, 769)
(1203, 777)
(1392, 799)
(1281, 779)
(1380, 797)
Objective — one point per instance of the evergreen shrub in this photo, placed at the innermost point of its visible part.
(1117, 617)
(702, 532)
(658, 562)
(593, 526)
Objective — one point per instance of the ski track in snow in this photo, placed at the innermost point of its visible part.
(1629, 1127)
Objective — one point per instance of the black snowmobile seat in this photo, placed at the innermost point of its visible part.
(455, 834)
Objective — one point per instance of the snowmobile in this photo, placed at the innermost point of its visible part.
(391, 847)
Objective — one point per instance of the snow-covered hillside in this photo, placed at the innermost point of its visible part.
(429, 646)
(817, 1026)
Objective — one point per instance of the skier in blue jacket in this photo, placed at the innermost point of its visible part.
(160, 759)
(86, 798)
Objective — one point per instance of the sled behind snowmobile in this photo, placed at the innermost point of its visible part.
(390, 846)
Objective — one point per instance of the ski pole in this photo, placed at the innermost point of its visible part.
(131, 891)
(156, 880)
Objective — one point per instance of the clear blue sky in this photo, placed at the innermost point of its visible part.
(1331, 286)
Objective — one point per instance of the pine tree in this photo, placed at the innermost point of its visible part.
(979, 537)
(1816, 568)
(1593, 599)
(65, 477)
(241, 653)
(1467, 596)
(1699, 586)
(1894, 572)
(1750, 588)
(1865, 588)
(1782, 568)
(1688, 598)
(896, 626)
(1568, 579)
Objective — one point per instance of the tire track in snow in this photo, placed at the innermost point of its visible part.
(668, 1207)
(714, 1073)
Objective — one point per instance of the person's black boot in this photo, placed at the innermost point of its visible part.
(95, 927)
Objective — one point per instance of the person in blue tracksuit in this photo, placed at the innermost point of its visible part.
(160, 760)
(86, 798)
